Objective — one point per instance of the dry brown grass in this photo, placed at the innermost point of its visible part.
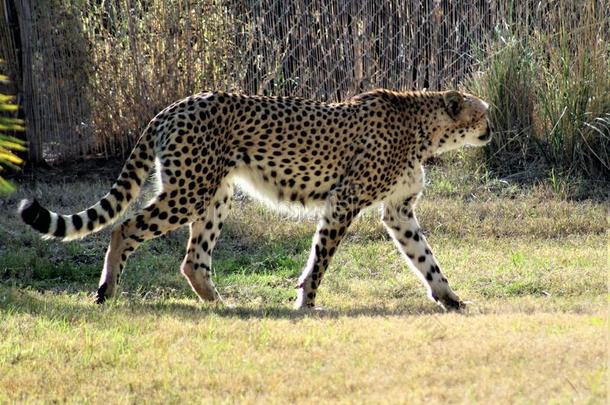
(63, 349)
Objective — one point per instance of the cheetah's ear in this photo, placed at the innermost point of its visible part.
(454, 102)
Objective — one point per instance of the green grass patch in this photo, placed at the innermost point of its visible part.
(533, 265)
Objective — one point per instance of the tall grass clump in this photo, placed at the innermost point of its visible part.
(508, 84)
(549, 88)
(148, 54)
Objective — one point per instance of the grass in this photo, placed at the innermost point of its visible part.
(549, 94)
(534, 265)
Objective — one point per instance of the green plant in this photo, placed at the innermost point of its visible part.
(9, 144)
(550, 96)
(507, 82)
(573, 101)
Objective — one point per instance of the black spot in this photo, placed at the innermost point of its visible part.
(421, 259)
(107, 207)
(126, 184)
(91, 214)
(117, 194)
(60, 231)
(77, 222)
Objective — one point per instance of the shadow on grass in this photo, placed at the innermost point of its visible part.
(286, 312)
(79, 308)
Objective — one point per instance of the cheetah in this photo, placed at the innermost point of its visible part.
(338, 158)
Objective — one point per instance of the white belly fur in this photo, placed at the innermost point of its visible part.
(252, 183)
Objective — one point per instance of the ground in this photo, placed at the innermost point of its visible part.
(534, 265)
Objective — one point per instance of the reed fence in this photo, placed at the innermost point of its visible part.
(91, 73)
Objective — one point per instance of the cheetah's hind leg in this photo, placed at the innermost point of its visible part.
(197, 264)
(150, 222)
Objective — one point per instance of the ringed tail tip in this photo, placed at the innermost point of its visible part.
(33, 214)
(29, 210)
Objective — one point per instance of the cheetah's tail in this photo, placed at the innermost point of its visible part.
(105, 211)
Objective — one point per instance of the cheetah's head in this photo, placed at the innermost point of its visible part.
(463, 121)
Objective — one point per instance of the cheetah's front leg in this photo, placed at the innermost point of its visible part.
(342, 207)
(404, 229)
(324, 244)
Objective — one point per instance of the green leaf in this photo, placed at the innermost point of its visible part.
(6, 187)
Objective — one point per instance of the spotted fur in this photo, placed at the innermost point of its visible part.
(337, 157)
